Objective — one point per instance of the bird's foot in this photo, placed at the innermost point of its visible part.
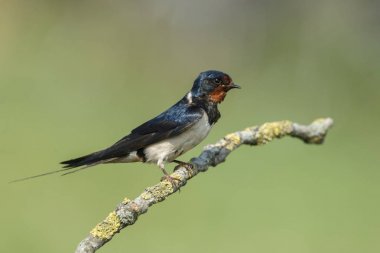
(188, 166)
(174, 181)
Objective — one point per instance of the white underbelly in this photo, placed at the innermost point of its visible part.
(168, 150)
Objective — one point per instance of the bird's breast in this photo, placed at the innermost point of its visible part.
(167, 150)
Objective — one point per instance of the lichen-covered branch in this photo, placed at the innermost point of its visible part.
(127, 212)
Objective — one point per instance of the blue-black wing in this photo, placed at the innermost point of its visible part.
(170, 123)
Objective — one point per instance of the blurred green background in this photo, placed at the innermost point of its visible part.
(75, 76)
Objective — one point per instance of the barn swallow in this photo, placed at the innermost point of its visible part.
(172, 133)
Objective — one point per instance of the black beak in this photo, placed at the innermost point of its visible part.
(234, 86)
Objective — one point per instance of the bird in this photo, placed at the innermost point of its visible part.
(170, 134)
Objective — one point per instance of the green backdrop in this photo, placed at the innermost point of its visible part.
(75, 76)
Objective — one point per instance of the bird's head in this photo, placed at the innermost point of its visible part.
(212, 85)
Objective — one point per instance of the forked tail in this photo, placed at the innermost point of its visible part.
(70, 165)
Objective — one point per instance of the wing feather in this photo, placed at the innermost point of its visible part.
(170, 123)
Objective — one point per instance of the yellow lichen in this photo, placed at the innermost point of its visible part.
(176, 176)
(126, 201)
(146, 195)
(164, 189)
(107, 228)
(250, 129)
(232, 141)
(161, 190)
(320, 120)
(269, 131)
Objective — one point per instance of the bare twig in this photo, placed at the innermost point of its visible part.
(127, 212)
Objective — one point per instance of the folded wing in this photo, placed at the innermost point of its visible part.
(170, 123)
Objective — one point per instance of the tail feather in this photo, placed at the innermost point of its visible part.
(83, 160)
(76, 162)
(39, 175)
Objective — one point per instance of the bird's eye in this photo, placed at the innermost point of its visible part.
(217, 81)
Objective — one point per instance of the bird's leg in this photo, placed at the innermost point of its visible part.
(166, 174)
(188, 166)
